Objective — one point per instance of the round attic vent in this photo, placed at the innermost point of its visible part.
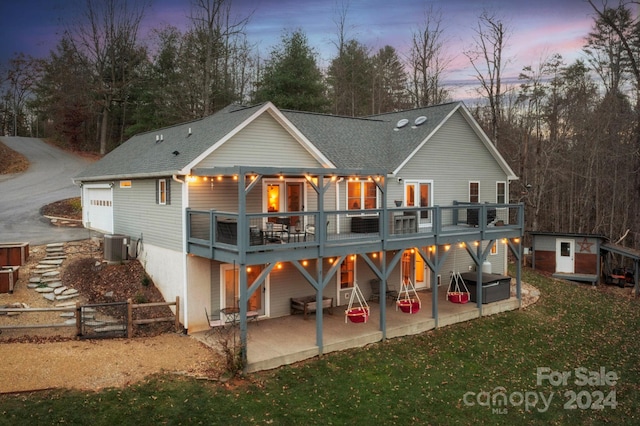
(401, 123)
(420, 120)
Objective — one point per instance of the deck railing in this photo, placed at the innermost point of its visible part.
(213, 229)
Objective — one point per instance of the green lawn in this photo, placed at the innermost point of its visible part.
(455, 375)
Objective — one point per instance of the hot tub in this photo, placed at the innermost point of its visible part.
(494, 287)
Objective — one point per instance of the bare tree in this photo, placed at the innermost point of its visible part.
(428, 61)
(619, 22)
(486, 57)
(215, 29)
(17, 86)
(107, 37)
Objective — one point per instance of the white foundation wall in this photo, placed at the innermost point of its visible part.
(199, 295)
(166, 269)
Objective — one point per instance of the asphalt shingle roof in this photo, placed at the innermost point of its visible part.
(142, 156)
(369, 142)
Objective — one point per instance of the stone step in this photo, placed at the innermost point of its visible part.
(41, 267)
(55, 262)
(73, 315)
(49, 296)
(107, 328)
(66, 296)
(35, 279)
(54, 284)
(44, 289)
(50, 274)
(70, 291)
(58, 291)
(54, 245)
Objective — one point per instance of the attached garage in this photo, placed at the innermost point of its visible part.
(97, 207)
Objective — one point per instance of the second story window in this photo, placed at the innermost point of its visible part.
(361, 195)
(474, 192)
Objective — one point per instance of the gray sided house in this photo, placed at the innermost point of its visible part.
(252, 210)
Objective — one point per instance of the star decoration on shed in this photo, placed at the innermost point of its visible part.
(585, 246)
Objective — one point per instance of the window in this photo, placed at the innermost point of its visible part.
(163, 192)
(474, 192)
(494, 248)
(347, 271)
(501, 192)
(284, 197)
(418, 194)
(361, 195)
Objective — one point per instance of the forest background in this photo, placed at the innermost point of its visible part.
(570, 131)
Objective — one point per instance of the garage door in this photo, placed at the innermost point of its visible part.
(97, 209)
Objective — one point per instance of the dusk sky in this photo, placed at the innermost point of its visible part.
(538, 28)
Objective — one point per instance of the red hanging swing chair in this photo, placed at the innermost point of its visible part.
(357, 314)
(408, 300)
(457, 295)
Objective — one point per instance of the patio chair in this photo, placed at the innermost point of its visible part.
(310, 231)
(209, 322)
(375, 291)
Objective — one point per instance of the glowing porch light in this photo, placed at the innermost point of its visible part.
(305, 263)
(447, 247)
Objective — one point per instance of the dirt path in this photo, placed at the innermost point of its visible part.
(99, 364)
(86, 364)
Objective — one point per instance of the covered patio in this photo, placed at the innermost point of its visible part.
(280, 341)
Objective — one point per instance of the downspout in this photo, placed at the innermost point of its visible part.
(185, 198)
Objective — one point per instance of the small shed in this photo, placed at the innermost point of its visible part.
(569, 256)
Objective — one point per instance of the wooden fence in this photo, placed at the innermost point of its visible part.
(130, 322)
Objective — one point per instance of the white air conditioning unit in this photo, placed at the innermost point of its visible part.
(116, 247)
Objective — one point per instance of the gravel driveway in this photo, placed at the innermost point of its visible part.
(48, 179)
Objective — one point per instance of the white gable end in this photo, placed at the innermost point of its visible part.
(263, 142)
